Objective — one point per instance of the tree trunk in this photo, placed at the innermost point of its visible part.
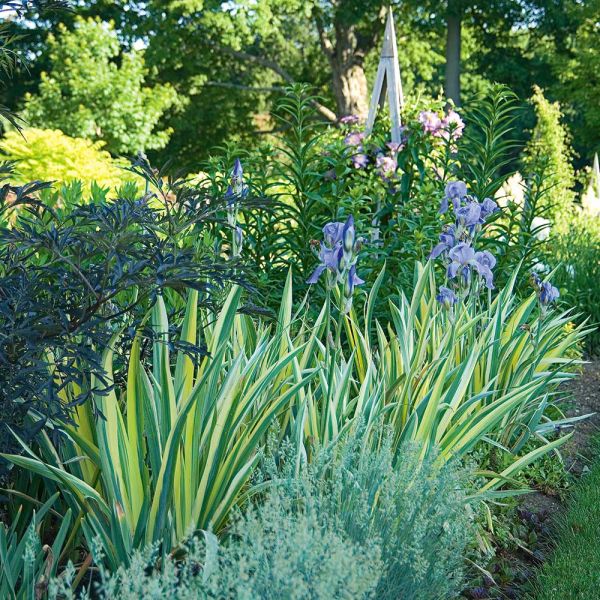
(349, 81)
(350, 89)
(452, 80)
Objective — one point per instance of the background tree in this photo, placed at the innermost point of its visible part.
(549, 152)
(229, 61)
(575, 62)
(88, 94)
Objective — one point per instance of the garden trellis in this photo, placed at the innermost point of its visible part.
(388, 82)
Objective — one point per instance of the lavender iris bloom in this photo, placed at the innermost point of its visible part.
(484, 263)
(237, 172)
(352, 281)
(230, 197)
(336, 252)
(548, 293)
(237, 180)
(332, 233)
(330, 260)
(455, 191)
(447, 241)
(348, 235)
(239, 236)
(488, 207)
(446, 297)
(469, 215)
(461, 257)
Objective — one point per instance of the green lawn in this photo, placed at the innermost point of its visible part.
(573, 570)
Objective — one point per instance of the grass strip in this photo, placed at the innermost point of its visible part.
(573, 569)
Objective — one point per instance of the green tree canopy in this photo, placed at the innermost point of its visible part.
(95, 91)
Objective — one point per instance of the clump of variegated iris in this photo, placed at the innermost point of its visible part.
(546, 293)
(456, 247)
(236, 190)
(338, 255)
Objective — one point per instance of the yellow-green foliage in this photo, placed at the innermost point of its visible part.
(549, 151)
(50, 155)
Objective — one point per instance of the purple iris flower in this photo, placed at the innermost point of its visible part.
(447, 241)
(484, 263)
(548, 293)
(237, 172)
(360, 161)
(348, 235)
(354, 139)
(469, 215)
(239, 236)
(455, 191)
(488, 207)
(461, 257)
(330, 259)
(236, 189)
(446, 297)
(332, 233)
(230, 197)
(336, 252)
(352, 281)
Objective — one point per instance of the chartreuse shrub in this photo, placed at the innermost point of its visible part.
(352, 524)
(50, 155)
(549, 150)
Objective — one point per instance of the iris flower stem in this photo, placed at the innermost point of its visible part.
(536, 341)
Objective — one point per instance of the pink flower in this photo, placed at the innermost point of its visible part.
(431, 121)
(360, 161)
(452, 126)
(387, 166)
(354, 139)
(394, 147)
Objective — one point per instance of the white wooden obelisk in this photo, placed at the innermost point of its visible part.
(388, 83)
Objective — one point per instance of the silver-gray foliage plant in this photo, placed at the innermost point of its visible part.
(354, 524)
